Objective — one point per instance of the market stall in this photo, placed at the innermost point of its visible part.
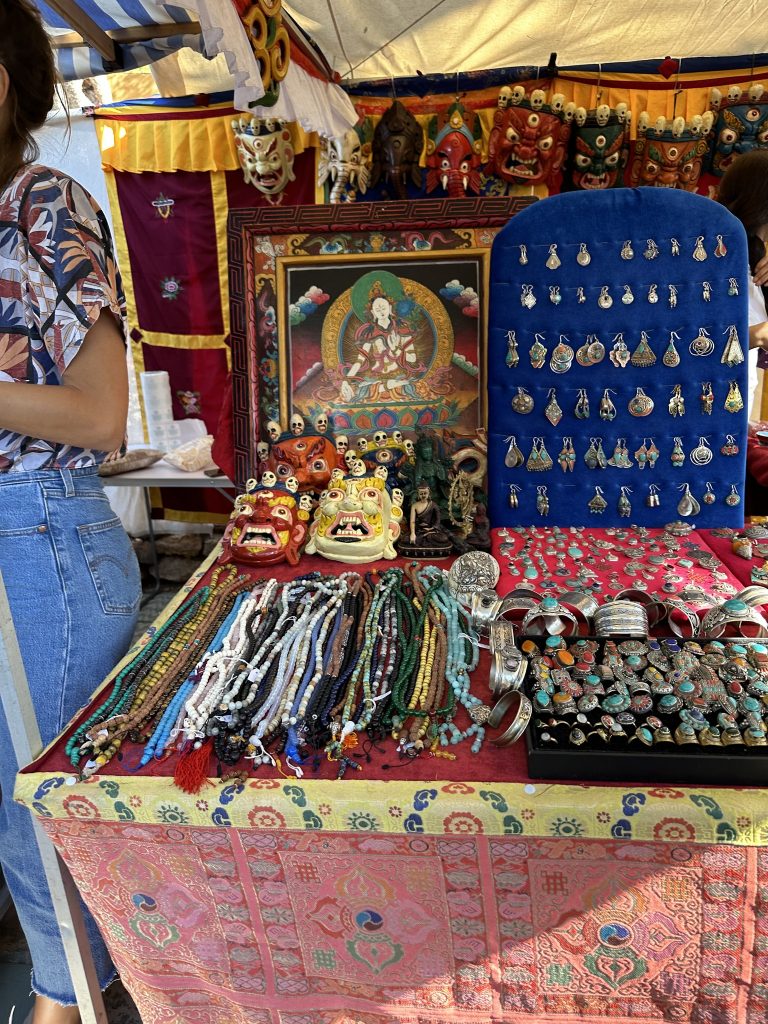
(279, 812)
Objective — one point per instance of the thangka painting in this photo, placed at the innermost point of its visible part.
(396, 346)
(375, 314)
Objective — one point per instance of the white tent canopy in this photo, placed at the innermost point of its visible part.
(365, 39)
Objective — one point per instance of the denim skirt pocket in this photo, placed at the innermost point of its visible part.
(113, 565)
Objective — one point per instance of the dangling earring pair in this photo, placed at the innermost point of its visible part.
(567, 456)
(595, 456)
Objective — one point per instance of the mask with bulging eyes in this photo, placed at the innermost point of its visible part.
(266, 527)
(355, 521)
(311, 458)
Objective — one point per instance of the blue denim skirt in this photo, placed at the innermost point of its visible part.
(74, 587)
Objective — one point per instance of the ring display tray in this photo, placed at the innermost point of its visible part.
(618, 761)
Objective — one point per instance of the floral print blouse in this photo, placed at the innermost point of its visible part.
(57, 272)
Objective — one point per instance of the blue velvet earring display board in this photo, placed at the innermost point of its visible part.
(632, 302)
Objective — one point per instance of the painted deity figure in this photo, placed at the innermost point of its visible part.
(386, 362)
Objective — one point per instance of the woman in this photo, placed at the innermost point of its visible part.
(68, 567)
(744, 191)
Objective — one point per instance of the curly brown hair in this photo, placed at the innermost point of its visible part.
(26, 54)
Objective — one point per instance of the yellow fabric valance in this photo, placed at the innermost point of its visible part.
(140, 139)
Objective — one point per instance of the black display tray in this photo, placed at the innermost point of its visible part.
(702, 766)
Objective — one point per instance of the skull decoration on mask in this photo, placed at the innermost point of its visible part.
(268, 479)
(397, 437)
(528, 141)
(669, 154)
(410, 451)
(321, 423)
(355, 521)
(267, 526)
(599, 147)
(265, 153)
(342, 161)
(397, 144)
(380, 438)
(342, 443)
(453, 152)
(297, 424)
(311, 458)
(741, 125)
(273, 429)
(362, 444)
(262, 451)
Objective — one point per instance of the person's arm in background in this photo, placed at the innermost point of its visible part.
(758, 333)
(90, 406)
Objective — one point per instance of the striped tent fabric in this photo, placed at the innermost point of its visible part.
(81, 61)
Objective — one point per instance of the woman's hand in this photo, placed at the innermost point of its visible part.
(758, 336)
(760, 276)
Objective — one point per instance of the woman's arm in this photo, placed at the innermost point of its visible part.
(90, 406)
(758, 336)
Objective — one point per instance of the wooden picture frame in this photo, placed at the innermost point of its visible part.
(306, 334)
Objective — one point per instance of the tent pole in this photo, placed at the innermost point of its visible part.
(71, 12)
(27, 744)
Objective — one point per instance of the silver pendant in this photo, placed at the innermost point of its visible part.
(706, 291)
(580, 296)
(651, 250)
(675, 246)
(641, 405)
(672, 296)
(553, 260)
(604, 300)
(523, 255)
(699, 252)
(688, 505)
(627, 298)
(652, 294)
(537, 352)
(733, 353)
(619, 354)
(522, 402)
(702, 344)
(514, 456)
(627, 252)
(527, 298)
(701, 454)
(583, 258)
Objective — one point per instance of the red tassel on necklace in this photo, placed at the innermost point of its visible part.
(192, 768)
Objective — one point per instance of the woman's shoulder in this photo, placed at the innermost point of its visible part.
(37, 188)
